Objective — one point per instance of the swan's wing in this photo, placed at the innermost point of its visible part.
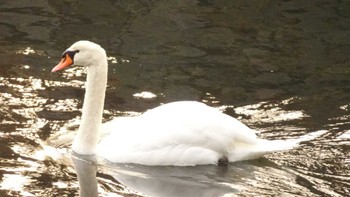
(184, 132)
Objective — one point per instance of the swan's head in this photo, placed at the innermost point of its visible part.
(82, 53)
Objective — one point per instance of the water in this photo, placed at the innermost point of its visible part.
(281, 67)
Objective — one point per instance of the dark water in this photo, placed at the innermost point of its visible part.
(282, 67)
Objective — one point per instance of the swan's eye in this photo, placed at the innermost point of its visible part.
(70, 54)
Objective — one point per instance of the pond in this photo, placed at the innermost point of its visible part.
(280, 67)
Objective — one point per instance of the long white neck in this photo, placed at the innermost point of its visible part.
(89, 131)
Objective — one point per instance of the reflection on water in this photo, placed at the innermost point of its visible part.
(86, 173)
(281, 67)
(175, 181)
(156, 181)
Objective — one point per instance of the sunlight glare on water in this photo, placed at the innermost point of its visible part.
(269, 112)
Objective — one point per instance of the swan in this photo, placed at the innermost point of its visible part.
(183, 133)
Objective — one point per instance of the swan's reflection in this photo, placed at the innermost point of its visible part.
(156, 180)
(174, 181)
(86, 171)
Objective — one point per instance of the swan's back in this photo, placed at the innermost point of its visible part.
(178, 133)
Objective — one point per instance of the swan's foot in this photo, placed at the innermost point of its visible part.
(223, 161)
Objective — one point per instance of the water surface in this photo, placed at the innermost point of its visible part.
(281, 67)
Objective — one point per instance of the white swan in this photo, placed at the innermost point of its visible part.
(179, 133)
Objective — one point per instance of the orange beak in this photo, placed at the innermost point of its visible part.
(65, 62)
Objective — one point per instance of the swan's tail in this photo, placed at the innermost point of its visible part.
(264, 146)
(280, 145)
